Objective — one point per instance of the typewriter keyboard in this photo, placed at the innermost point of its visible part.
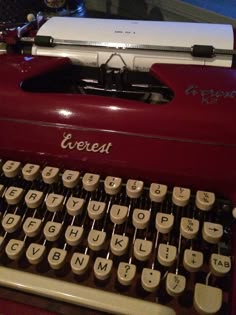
(116, 246)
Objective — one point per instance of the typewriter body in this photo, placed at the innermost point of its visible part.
(149, 126)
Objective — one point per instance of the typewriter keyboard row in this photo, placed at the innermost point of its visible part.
(119, 247)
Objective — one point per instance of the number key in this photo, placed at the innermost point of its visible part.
(70, 178)
(134, 188)
(50, 174)
(157, 192)
(11, 168)
(90, 181)
(30, 171)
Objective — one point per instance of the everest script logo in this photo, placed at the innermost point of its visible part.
(68, 143)
(209, 96)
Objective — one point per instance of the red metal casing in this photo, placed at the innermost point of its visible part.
(191, 141)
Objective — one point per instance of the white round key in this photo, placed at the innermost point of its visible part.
(204, 200)
(54, 202)
(102, 268)
(56, 258)
(181, 196)
(212, 232)
(175, 284)
(96, 209)
(166, 254)
(14, 249)
(126, 273)
(96, 240)
(74, 206)
(164, 222)
(73, 235)
(11, 168)
(119, 244)
(79, 263)
(207, 299)
(142, 249)
(118, 214)
(134, 188)
(193, 260)
(90, 181)
(52, 231)
(150, 279)
(34, 198)
(189, 227)
(220, 265)
(50, 174)
(11, 222)
(70, 178)
(35, 253)
(157, 192)
(112, 185)
(30, 171)
(32, 226)
(13, 195)
(141, 218)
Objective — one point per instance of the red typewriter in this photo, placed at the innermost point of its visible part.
(118, 174)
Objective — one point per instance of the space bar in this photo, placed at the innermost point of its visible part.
(79, 295)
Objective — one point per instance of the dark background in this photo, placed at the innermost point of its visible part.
(16, 11)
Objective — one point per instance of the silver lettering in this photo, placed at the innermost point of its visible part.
(209, 96)
(69, 144)
(65, 144)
